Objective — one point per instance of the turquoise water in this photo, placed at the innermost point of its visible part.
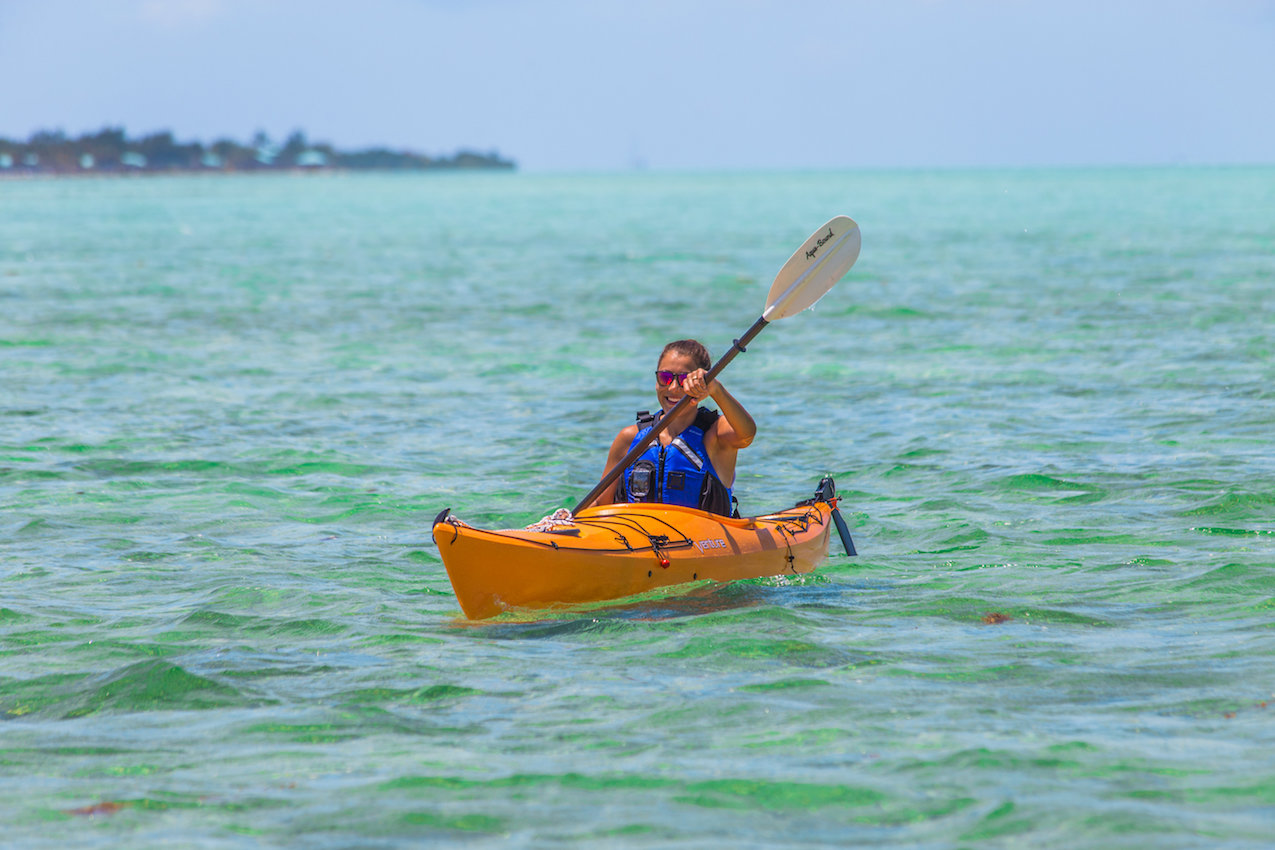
(230, 408)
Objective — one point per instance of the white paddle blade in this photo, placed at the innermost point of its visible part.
(825, 258)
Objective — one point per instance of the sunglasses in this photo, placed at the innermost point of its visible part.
(665, 378)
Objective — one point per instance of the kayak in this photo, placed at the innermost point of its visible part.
(613, 551)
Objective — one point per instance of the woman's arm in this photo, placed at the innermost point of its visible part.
(739, 428)
(732, 431)
(619, 448)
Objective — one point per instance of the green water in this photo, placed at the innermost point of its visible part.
(230, 408)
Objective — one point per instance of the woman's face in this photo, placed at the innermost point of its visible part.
(679, 364)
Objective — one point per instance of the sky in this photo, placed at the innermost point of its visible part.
(608, 85)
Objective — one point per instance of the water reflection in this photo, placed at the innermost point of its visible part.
(697, 600)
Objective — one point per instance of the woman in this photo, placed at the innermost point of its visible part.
(692, 462)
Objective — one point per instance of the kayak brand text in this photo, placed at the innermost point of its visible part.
(819, 244)
(711, 544)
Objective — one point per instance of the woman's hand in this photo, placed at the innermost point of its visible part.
(697, 387)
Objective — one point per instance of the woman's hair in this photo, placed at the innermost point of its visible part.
(689, 348)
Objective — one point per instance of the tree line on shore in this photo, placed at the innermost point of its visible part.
(111, 150)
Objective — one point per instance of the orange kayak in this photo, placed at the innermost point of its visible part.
(614, 551)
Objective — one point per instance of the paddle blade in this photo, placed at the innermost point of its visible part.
(825, 258)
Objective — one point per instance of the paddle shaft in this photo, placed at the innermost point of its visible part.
(662, 424)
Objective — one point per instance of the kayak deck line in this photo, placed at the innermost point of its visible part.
(612, 551)
(632, 523)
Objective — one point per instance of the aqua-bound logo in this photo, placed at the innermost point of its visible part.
(819, 244)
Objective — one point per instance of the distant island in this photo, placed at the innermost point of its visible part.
(111, 151)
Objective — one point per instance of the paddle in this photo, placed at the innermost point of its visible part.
(807, 276)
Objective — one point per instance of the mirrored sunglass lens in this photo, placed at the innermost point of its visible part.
(666, 378)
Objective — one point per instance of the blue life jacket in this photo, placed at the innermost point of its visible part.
(679, 473)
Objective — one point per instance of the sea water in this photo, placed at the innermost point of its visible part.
(230, 408)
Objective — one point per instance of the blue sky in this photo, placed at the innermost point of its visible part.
(562, 85)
